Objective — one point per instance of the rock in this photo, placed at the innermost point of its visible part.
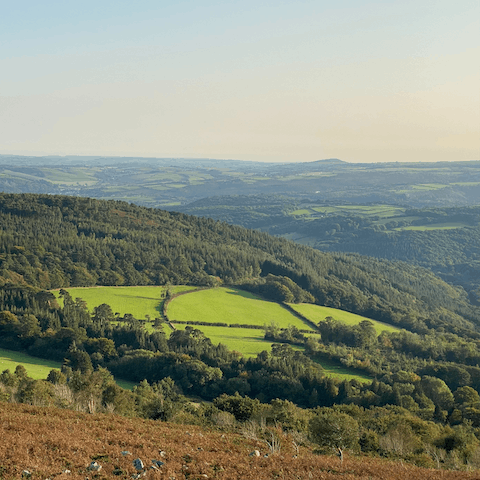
(94, 466)
(255, 453)
(26, 474)
(158, 463)
(162, 453)
(125, 453)
(138, 464)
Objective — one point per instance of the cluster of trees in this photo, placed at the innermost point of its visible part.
(280, 289)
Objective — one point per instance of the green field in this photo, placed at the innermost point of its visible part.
(301, 212)
(341, 372)
(37, 368)
(434, 226)
(70, 177)
(231, 306)
(248, 341)
(317, 313)
(138, 301)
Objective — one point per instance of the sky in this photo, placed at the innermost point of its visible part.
(362, 81)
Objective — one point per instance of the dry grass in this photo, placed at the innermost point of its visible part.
(48, 441)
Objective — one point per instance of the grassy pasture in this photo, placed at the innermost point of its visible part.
(70, 177)
(342, 373)
(383, 211)
(317, 313)
(248, 341)
(433, 226)
(301, 212)
(37, 368)
(138, 301)
(231, 306)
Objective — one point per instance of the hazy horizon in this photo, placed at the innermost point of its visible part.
(140, 157)
(361, 81)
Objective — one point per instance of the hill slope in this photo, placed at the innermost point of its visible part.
(54, 242)
(62, 444)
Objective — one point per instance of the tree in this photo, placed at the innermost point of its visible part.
(29, 326)
(438, 391)
(103, 314)
(56, 377)
(330, 428)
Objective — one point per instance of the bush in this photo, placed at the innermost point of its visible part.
(241, 407)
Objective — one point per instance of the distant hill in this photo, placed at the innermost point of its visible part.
(173, 182)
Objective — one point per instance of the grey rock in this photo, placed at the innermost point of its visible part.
(94, 466)
(138, 464)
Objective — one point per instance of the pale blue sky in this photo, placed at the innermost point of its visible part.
(274, 81)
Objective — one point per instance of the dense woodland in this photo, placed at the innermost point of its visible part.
(426, 377)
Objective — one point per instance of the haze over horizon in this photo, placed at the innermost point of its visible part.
(362, 81)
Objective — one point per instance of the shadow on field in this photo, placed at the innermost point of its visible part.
(244, 294)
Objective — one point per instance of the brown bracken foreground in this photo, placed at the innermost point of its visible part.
(47, 443)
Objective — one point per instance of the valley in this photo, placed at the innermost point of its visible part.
(90, 283)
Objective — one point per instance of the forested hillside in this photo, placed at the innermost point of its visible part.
(53, 242)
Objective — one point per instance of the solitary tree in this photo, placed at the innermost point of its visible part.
(334, 429)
